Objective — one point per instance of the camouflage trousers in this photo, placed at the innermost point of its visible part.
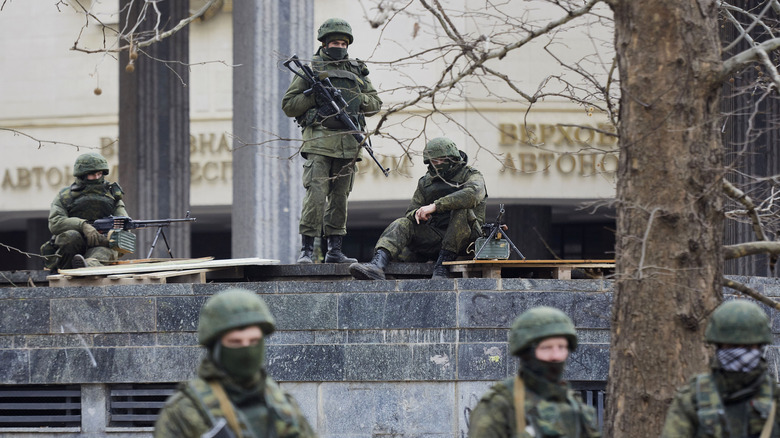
(328, 182)
(72, 242)
(408, 241)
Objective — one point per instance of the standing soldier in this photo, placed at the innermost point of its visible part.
(328, 146)
(738, 397)
(232, 396)
(446, 214)
(75, 242)
(536, 402)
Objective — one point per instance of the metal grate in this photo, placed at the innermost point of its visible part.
(137, 405)
(593, 394)
(40, 406)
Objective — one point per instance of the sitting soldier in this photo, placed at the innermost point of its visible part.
(75, 242)
(445, 216)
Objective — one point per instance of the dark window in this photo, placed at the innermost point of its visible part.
(137, 405)
(40, 406)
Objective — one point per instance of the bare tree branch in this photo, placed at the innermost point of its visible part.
(751, 293)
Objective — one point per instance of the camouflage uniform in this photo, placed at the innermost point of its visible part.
(263, 408)
(551, 410)
(450, 204)
(330, 150)
(551, 407)
(460, 197)
(83, 201)
(254, 404)
(724, 403)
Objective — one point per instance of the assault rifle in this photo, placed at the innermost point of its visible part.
(495, 244)
(120, 238)
(324, 90)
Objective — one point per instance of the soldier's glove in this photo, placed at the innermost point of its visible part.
(321, 100)
(94, 238)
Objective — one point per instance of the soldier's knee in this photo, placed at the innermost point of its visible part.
(101, 253)
(70, 241)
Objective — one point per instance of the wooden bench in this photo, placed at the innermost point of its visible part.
(558, 269)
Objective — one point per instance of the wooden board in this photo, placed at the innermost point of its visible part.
(168, 271)
(559, 269)
(166, 266)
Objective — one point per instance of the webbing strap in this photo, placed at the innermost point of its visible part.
(226, 406)
(519, 393)
(766, 432)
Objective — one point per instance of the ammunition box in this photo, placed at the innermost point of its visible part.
(122, 241)
(496, 249)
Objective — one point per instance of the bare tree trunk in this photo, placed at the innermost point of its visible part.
(670, 225)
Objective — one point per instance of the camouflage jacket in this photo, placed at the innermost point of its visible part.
(550, 410)
(84, 202)
(263, 409)
(463, 189)
(698, 410)
(349, 75)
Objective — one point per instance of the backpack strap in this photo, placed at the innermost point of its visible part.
(766, 431)
(519, 397)
(212, 408)
(226, 406)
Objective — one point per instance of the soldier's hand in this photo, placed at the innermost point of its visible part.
(93, 236)
(321, 100)
(424, 213)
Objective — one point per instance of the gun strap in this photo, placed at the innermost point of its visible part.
(226, 407)
(519, 393)
(766, 432)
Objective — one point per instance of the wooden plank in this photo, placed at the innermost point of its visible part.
(188, 276)
(536, 263)
(560, 269)
(167, 266)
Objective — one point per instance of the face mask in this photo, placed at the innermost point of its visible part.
(337, 53)
(92, 182)
(740, 359)
(440, 169)
(241, 363)
(552, 371)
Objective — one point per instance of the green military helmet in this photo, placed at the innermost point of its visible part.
(231, 309)
(738, 322)
(88, 163)
(440, 147)
(334, 25)
(539, 323)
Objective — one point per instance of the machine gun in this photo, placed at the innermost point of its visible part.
(117, 228)
(324, 90)
(497, 244)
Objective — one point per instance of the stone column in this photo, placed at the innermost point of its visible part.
(267, 189)
(154, 131)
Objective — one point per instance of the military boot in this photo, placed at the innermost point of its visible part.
(80, 262)
(334, 254)
(307, 250)
(439, 270)
(373, 270)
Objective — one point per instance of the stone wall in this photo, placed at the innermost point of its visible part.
(396, 357)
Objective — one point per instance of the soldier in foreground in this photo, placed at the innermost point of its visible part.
(75, 242)
(328, 146)
(738, 397)
(232, 396)
(446, 214)
(536, 402)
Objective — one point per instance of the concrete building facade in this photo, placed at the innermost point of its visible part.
(544, 164)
